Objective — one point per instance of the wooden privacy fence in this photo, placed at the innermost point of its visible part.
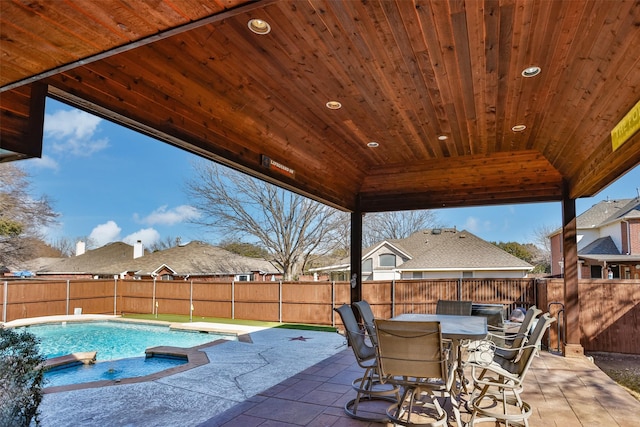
(294, 302)
(609, 312)
(609, 309)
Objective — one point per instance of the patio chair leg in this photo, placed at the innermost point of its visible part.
(369, 388)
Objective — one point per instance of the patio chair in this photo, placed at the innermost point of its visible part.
(366, 314)
(412, 355)
(500, 383)
(459, 308)
(513, 342)
(501, 346)
(499, 342)
(368, 387)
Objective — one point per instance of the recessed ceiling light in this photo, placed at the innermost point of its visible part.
(334, 105)
(531, 71)
(372, 144)
(518, 128)
(443, 137)
(259, 26)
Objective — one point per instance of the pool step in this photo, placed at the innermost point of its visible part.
(82, 357)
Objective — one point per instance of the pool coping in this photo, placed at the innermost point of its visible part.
(195, 357)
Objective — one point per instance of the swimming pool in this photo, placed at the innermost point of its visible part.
(120, 348)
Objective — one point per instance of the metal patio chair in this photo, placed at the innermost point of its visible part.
(367, 317)
(499, 342)
(459, 308)
(412, 355)
(368, 387)
(500, 382)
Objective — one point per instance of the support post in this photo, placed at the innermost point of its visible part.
(356, 254)
(572, 333)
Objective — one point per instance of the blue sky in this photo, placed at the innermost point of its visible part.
(112, 184)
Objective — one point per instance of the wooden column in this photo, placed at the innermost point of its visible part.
(572, 332)
(356, 255)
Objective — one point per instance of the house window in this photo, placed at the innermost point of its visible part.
(243, 278)
(387, 260)
(467, 274)
(417, 274)
(367, 264)
(167, 277)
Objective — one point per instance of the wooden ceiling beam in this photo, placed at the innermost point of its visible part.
(22, 122)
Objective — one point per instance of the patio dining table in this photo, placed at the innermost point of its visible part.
(454, 327)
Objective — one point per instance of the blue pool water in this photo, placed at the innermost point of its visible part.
(109, 370)
(120, 348)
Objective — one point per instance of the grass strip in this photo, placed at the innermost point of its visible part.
(179, 318)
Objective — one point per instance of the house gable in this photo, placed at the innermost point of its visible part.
(437, 253)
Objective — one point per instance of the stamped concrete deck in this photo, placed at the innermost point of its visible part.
(564, 392)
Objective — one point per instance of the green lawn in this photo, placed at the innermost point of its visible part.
(178, 318)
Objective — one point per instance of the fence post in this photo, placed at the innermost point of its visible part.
(233, 299)
(393, 298)
(5, 301)
(115, 295)
(333, 303)
(153, 298)
(68, 293)
(459, 290)
(191, 303)
(280, 301)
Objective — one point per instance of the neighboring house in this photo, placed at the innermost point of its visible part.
(27, 268)
(608, 236)
(195, 260)
(432, 254)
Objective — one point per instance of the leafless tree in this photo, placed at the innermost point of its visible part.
(542, 240)
(65, 245)
(22, 217)
(166, 243)
(395, 225)
(291, 227)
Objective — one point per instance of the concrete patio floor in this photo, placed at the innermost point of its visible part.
(564, 392)
(284, 377)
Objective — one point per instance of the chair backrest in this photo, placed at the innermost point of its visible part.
(355, 335)
(410, 349)
(366, 314)
(520, 367)
(521, 338)
(460, 308)
(525, 327)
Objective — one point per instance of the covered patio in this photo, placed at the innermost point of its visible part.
(365, 106)
(563, 392)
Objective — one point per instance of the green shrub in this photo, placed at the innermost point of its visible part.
(21, 378)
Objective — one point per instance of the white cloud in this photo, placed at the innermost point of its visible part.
(73, 131)
(165, 216)
(105, 233)
(45, 162)
(148, 236)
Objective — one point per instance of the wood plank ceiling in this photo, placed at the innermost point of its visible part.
(438, 86)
